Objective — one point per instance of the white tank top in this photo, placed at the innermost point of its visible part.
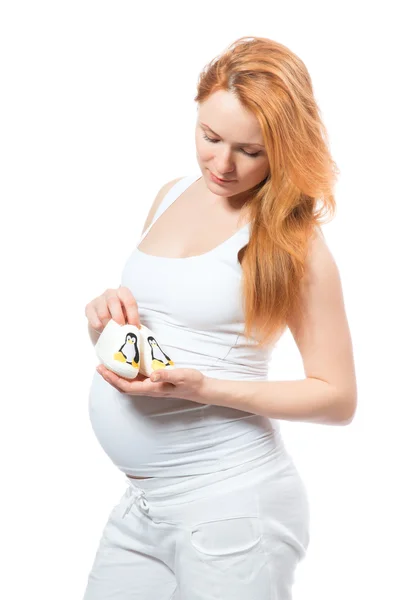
(193, 305)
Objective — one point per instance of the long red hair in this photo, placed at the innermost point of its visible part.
(288, 206)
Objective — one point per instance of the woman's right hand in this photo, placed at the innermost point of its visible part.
(117, 304)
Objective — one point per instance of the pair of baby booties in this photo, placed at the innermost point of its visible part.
(127, 350)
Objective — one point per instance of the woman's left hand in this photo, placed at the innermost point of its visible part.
(174, 383)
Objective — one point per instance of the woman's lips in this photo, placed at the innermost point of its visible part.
(218, 180)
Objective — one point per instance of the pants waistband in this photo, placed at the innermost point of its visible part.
(165, 490)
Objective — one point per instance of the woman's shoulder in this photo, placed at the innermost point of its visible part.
(166, 187)
(158, 200)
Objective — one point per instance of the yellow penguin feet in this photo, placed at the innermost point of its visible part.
(157, 364)
(119, 356)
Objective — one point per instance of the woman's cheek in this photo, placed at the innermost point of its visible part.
(203, 152)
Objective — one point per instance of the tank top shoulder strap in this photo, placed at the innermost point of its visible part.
(175, 191)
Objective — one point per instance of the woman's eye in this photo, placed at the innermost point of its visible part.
(215, 141)
(209, 139)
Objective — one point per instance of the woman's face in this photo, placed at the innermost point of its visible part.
(229, 144)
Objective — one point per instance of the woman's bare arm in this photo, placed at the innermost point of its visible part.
(328, 395)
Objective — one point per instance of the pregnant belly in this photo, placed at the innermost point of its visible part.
(143, 433)
(157, 437)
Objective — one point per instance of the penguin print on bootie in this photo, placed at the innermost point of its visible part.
(159, 359)
(139, 353)
(128, 352)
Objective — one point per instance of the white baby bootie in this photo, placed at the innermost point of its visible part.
(152, 356)
(127, 350)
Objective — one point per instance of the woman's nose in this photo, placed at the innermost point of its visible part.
(224, 164)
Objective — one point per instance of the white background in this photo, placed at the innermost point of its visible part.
(97, 113)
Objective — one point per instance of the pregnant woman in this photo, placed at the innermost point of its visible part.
(229, 257)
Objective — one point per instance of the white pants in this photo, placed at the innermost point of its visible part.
(236, 533)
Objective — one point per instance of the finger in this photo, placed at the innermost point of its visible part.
(140, 377)
(119, 383)
(130, 306)
(93, 318)
(127, 386)
(146, 387)
(173, 376)
(114, 378)
(114, 306)
(102, 310)
(108, 376)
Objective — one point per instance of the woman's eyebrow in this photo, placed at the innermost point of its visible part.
(238, 143)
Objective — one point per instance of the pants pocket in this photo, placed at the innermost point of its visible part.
(231, 536)
(225, 559)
